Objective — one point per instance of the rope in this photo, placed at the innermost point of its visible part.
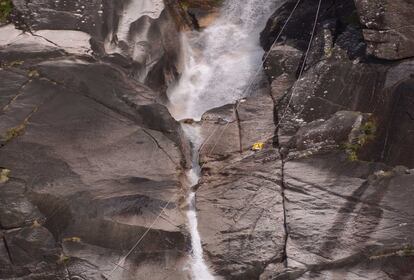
(208, 138)
(251, 81)
(304, 62)
(119, 264)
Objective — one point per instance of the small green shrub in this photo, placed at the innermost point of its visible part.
(6, 7)
(367, 133)
(4, 175)
(408, 251)
(33, 73)
(14, 132)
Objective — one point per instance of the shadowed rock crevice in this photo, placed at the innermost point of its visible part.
(7, 249)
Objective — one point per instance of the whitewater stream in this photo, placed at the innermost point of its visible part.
(220, 63)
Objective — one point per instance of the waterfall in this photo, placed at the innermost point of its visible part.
(220, 62)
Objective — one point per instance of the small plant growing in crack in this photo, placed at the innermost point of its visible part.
(14, 132)
(74, 239)
(4, 175)
(6, 6)
(63, 259)
(408, 251)
(14, 63)
(33, 73)
(366, 133)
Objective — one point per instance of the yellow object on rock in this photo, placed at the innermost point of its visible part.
(258, 146)
(4, 175)
(72, 239)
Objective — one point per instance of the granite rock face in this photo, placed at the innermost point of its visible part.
(140, 36)
(93, 157)
(340, 131)
(91, 161)
(61, 138)
(239, 198)
(341, 171)
(387, 27)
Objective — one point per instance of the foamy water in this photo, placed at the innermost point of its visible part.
(220, 62)
(199, 269)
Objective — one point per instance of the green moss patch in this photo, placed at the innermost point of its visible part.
(6, 7)
(14, 132)
(367, 133)
(4, 175)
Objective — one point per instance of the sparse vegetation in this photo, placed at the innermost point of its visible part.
(15, 63)
(63, 259)
(4, 175)
(408, 251)
(367, 133)
(36, 224)
(33, 73)
(74, 239)
(14, 132)
(6, 7)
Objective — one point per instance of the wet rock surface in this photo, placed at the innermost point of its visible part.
(142, 37)
(336, 137)
(243, 188)
(96, 160)
(60, 142)
(345, 214)
(94, 157)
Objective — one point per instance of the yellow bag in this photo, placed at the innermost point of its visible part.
(258, 146)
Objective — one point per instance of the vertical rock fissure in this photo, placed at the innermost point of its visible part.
(283, 154)
(285, 224)
(236, 113)
(154, 140)
(6, 246)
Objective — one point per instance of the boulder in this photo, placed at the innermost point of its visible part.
(144, 33)
(65, 122)
(387, 27)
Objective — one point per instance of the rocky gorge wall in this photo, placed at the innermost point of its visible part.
(89, 155)
(329, 195)
(91, 159)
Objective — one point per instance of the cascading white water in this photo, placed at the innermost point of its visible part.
(221, 60)
(198, 267)
(219, 64)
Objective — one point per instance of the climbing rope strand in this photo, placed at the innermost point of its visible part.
(208, 139)
(251, 81)
(260, 68)
(281, 31)
(119, 264)
(303, 64)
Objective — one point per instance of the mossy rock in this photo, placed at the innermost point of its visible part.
(367, 133)
(4, 175)
(14, 132)
(6, 6)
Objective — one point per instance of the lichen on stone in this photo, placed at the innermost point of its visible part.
(4, 175)
(366, 133)
(14, 132)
